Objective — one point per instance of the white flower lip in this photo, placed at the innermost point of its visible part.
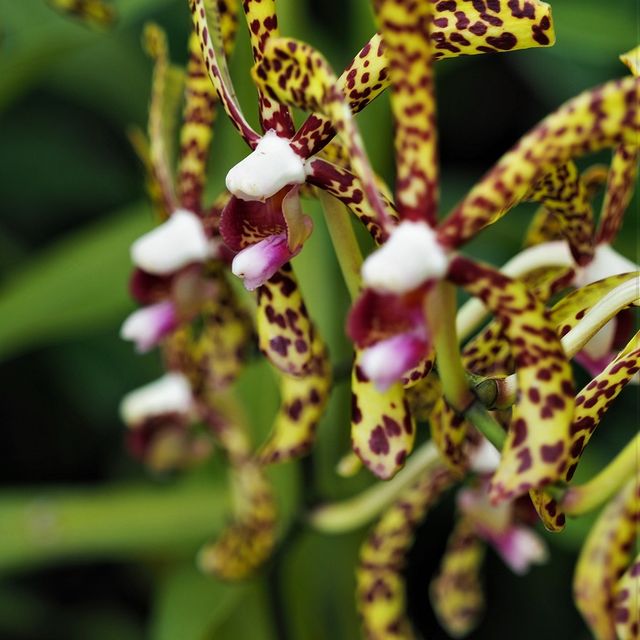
(169, 394)
(148, 325)
(272, 165)
(172, 245)
(411, 256)
(606, 262)
(258, 262)
(485, 458)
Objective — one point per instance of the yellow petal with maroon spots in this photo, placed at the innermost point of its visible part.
(248, 541)
(263, 24)
(294, 73)
(591, 405)
(449, 432)
(382, 428)
(214, 23)
(196, 132)
(632, 60)
(96, 12)
(285, 332)
(456, 592)
(380, 591)
(602, 117)
(166, 93)
(604, 557)
(627, 603)
(568, 312)
(538, 438)
(211, 350)
(302, 403)
(620, 187)
(567, 199)
(423, 396)
(405, 30)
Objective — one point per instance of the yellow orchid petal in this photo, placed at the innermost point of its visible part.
(380, 590)
(604, 556)
(632, 60)
(538, 437)
(96, 12)
(449, 432)
(382, 428)
(423, 395)
(285, 332)
(303, 401)
(140, 144)
(627, 603)
(602, 117)
(456, 592)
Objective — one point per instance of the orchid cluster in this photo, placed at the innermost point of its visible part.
(508, 428)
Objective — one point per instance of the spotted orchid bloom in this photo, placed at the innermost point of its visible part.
(94, 12)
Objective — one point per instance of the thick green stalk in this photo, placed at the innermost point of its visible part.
(484, 422)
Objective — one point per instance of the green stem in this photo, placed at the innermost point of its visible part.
(441, 314)
(344, 240)
(586, 497)
(48, 524)
(354, 512)
(484, 422)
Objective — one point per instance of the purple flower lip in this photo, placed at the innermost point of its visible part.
(147, 326)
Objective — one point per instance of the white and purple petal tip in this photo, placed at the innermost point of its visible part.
(147, 326)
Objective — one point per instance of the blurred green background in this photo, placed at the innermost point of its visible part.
(92, 546)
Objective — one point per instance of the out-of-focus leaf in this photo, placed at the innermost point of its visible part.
(76, 286)
(191, 606)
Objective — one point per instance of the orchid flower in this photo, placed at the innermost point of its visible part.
(94, 12)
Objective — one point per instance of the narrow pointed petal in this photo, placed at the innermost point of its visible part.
(380, 591)
(627, 603)
(348, 188)
(302, 404)
(211, 350)
(604, 557)
(382, 428)
(456, 592)
(166, 92)
(95, 12)
(285, 333)
(591, 405)
(566, 198)
(632, 60)
(249, 540)
(294, 73)
(140, 144)
(263, 24)
(196, 132)
(603, 117)
(538, 438)
(449, 432)
(620, 188)
(405, 31)
(215, 25)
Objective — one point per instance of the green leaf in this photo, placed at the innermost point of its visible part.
(75, 287)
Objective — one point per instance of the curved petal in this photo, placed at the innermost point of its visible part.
(285, 332)
(197, 130)
(166, 93)
(604, 556)
(620, 188)
(97, 12)
(456, 592)
(154, 189)
(591, 405)
(423, 396)
(627, 611)
(602, 117)
(215, 24)
(380, 591)
(538, 438)
(302, 403)
(294, 73)
(263, 24)
(405, 31)
(450, 432)
(382, 428)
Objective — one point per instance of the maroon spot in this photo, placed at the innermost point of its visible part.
(378, 442)
(280, 345)
(391, 426)
(519, 432)
(356, 414)
(295, 409)
(525, 460)
(551, 452)
(401, 456)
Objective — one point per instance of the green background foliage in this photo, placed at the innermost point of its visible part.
(93, 547)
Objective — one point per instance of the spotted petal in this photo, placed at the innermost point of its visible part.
(456, 592)
(405, 31)
(96, 12)
(449, 432)
(627, 597)
(214, 23)
(302, 403)
(538, 438)
(382, 428)
(603, 117)
(591, 405)
(166, 93)
(604, 557)
(285, 332)
(380, 591)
